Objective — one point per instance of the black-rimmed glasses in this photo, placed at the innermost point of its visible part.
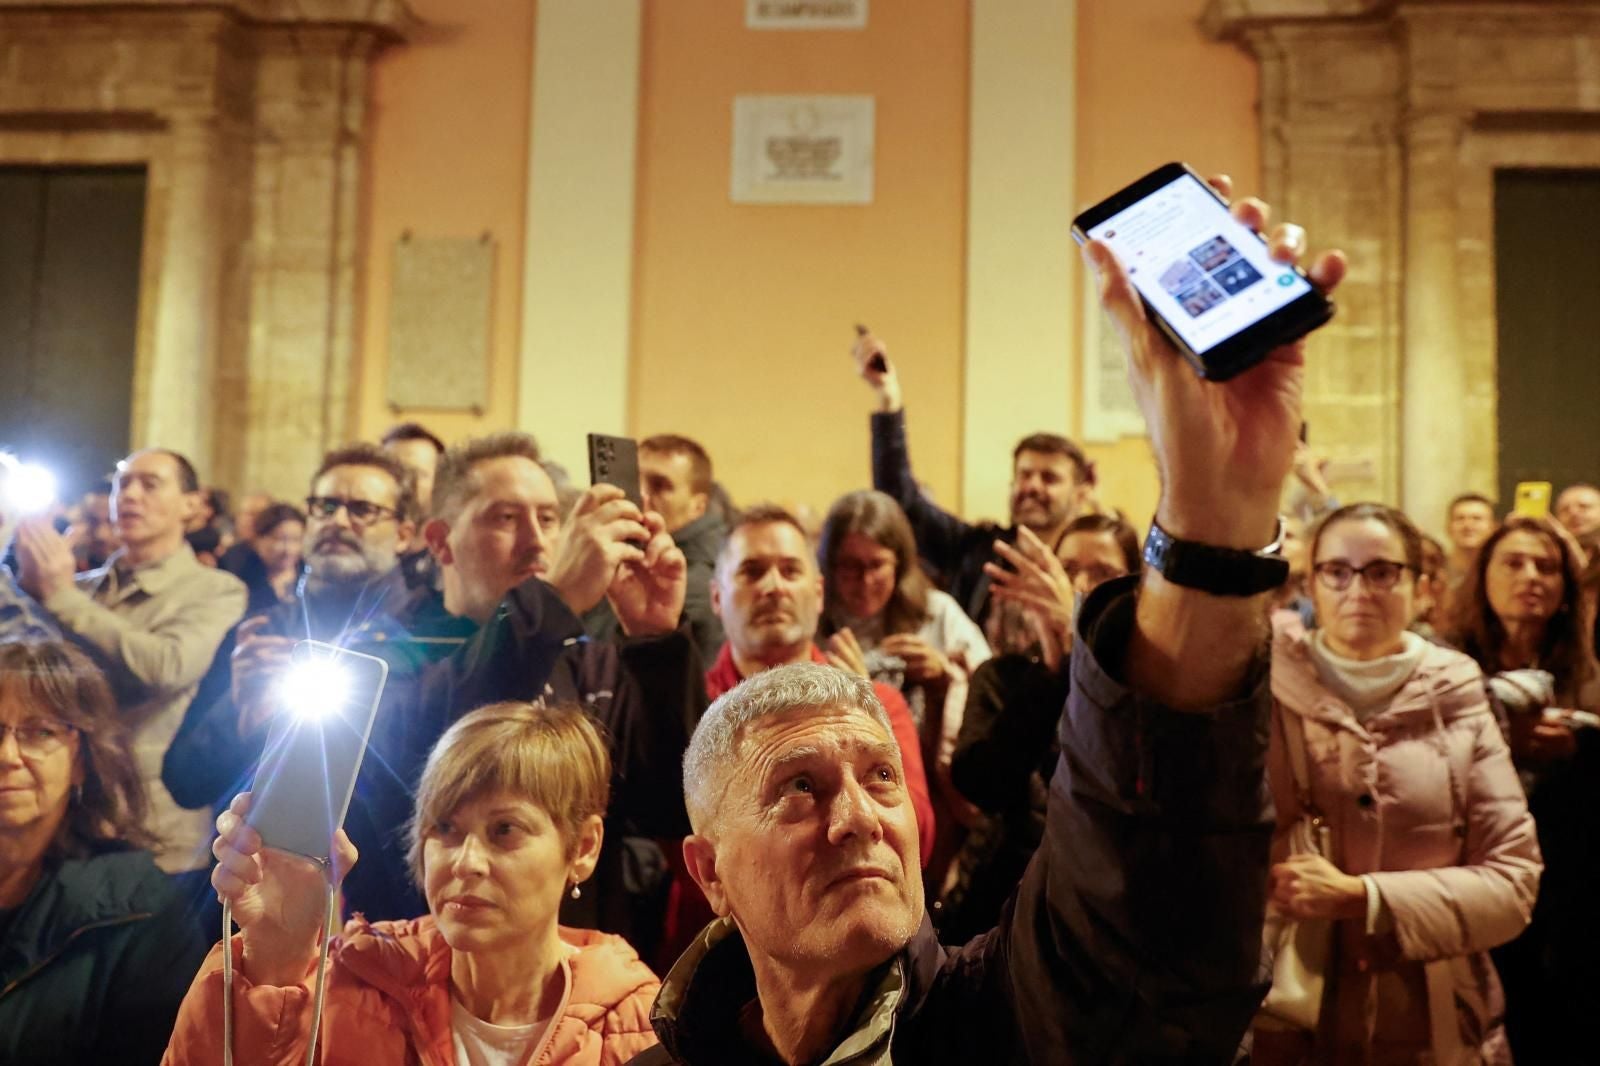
(361, 512)
(1380, 574)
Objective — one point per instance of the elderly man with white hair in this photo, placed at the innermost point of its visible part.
(1135, 935)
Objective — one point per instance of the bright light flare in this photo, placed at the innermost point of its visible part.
(29, 488)
(315, 689)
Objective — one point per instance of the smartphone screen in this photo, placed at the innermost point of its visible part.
(328, 701)
(1208, 277)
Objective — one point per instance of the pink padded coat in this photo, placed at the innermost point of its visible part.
(388, 1002)
(1423, 797)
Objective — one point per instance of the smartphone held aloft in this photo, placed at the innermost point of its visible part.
(1207, 280)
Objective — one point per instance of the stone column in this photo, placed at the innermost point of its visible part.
(311, 94)
(1435, 450)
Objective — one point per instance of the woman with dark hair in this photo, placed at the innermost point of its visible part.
(886, 621)
(93, 943)
(1007, 748)
(1403, 838)
(279, 533)
(1522, 616)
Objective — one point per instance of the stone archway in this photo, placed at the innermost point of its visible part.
(249, 116)
(1382, 124)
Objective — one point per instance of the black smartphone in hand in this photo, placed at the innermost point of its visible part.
(1207, 280)
(615, 461)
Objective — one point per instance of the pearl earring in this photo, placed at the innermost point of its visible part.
(576, 891)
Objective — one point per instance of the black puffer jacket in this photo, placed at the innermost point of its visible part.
(94, 964)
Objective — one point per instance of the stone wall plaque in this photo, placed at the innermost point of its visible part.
(802, 149)
(805, 14)
(439, 315)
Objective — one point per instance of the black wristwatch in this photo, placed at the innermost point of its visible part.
(1219, 571)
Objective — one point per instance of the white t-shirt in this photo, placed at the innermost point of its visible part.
(478, 1043)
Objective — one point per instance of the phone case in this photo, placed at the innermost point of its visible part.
(1532, 499)
(615, 461)
(308, 772)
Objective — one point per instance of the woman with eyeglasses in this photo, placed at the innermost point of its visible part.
(93, 942)
(1431, 858)
(883, 619)
(1522, 617)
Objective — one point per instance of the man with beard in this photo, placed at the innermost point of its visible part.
(360, 516)
(1051, 484)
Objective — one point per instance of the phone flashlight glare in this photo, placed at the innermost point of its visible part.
(315, 689)
(28, 488)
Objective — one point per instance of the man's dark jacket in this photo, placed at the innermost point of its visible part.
(94, 964)
(1134, 936)
(647, 694)
(953, 548)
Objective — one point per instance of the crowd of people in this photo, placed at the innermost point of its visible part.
(678, 782)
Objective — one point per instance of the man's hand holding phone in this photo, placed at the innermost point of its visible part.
(258, 661)
(1223, 448)
(872, 363)
(648, 595)
(279, 900)
(605, 531)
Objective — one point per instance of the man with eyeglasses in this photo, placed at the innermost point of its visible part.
(361, 516)
(152, 619)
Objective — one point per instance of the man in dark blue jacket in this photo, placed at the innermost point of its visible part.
(1135, 935)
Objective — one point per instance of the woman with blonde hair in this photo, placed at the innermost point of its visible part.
(507, 822)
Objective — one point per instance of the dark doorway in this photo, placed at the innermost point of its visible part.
(1547, 293)
(70, 241)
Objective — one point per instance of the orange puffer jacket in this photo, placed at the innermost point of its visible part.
(388, 1002)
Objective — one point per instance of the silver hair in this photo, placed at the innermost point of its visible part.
(714, 747)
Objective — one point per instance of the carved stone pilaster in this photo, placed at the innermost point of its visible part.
(249, 116)
(1382, 125)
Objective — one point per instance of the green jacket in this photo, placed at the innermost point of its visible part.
(94, 964)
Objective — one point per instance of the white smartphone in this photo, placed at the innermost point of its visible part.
(328, 701)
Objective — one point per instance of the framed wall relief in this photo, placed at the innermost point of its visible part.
(803, 149)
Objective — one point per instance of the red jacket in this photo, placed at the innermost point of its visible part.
(388, 1001)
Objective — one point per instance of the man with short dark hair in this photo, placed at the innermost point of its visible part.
(1052, 482)
(507, 561)
(419, 451)
(1469, 521)
(1578, 508)
(676, 482)
(152, 618)
(768, 592)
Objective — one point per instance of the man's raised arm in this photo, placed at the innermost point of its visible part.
(1135, 935)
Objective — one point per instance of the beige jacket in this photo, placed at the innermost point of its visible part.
(154, 631)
